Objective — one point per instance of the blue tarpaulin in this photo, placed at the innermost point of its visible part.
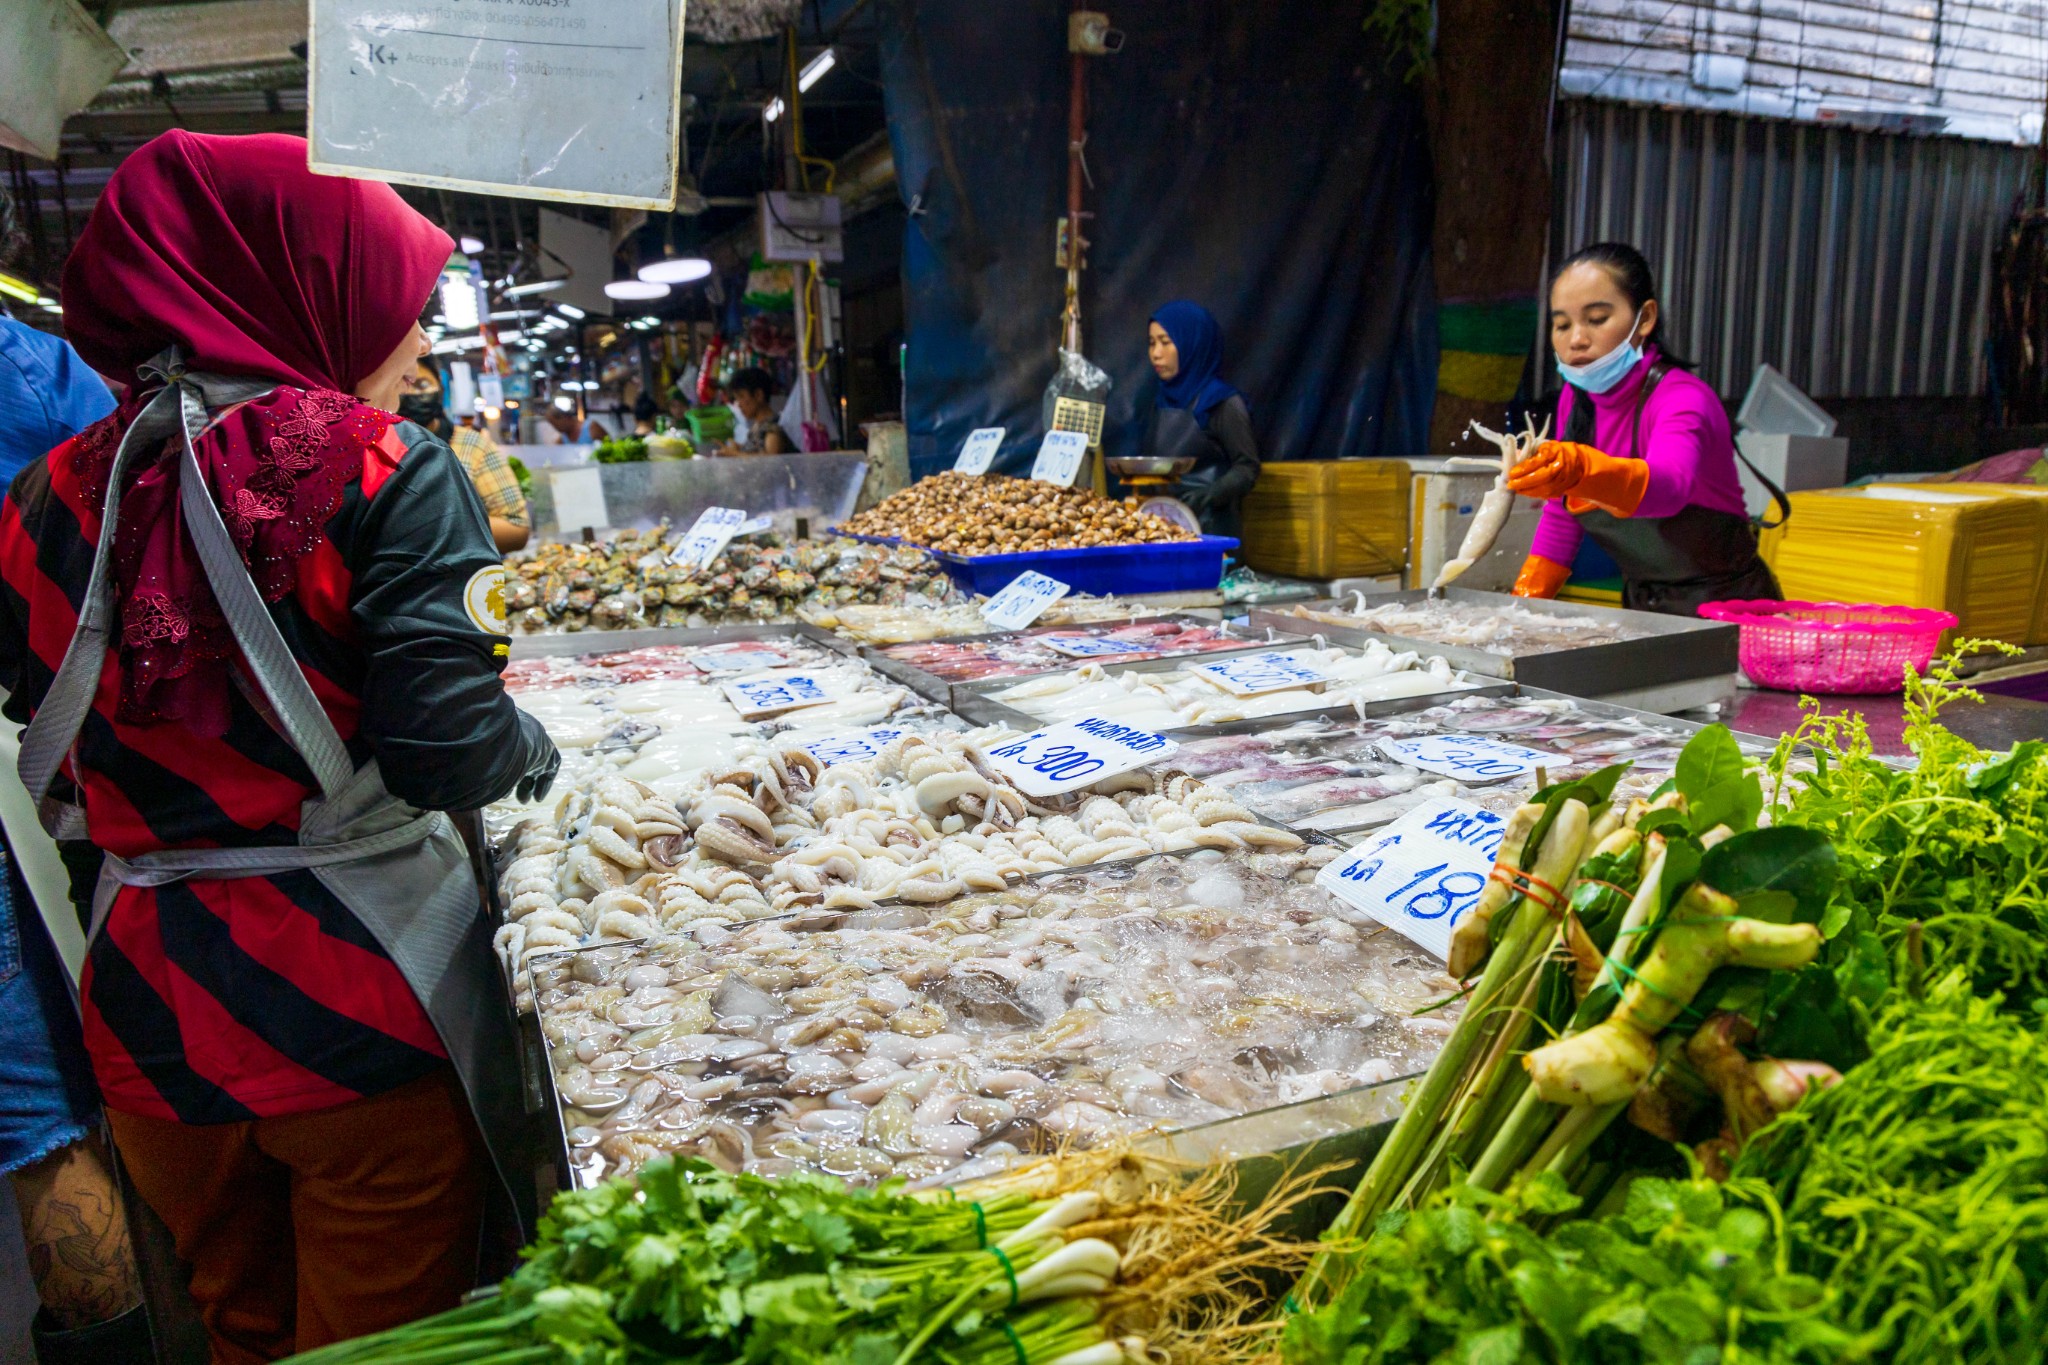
(1261, 160)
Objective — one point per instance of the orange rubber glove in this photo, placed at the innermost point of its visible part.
(1560, 469)
(1541, 577)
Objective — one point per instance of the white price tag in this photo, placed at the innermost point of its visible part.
(1021, 602)
(1469, 758)
(1423, 873)
(1248, 674)
(857, 747)
(579, 499)
(980, 450)
(1059, 457)
(707, 536)
(767, 696)
(738, 660)
(754, 526)
(1062, 757)
(1091, 646)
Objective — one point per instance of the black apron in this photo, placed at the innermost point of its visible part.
(1698, 554)
(1174, 434)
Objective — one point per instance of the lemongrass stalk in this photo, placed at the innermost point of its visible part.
(1574, 1136)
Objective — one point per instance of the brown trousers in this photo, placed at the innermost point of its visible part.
(317, 1227)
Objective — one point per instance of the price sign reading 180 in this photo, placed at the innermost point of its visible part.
(1423, 873)
(1062, 757)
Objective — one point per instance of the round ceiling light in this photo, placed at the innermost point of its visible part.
(635, 289)
(471, 245)
(676, 269)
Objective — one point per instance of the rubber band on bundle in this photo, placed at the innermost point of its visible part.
(1016, 1344)
(1010, 1271)
(1530, 885)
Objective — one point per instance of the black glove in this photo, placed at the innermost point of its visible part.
(1195, 497)
(543, 761)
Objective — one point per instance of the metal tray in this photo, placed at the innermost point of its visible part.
(941, 690)
(556, 644)
(1657, 660)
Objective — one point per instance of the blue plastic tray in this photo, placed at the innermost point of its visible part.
(1169, 566)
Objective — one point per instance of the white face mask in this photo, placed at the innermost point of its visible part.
(1598, 376)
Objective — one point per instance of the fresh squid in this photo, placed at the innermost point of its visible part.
(1495, 506)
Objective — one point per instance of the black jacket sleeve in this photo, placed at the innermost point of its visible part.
(434, 709)
(1230, 426)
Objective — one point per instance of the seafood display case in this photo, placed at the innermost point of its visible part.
(1222, 1001)
(1642, 659)
(821, 489)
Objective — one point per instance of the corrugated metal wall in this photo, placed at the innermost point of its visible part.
(1858, 263)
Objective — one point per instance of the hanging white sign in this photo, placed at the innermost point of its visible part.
(572, 100)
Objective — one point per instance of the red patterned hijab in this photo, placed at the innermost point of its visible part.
(231, 250)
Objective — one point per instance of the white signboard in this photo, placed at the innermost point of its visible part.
(707, 536)
(579, 499)
(1022, 600)
(1249, 674)
(1423, 873)
(1059, 458)
(1469, 758)
(858, 747)
(1060, 758)
(979, 451)
(770, 694)
(574, 100)
(738, 660)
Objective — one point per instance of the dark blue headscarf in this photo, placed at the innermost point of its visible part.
(1196, 388)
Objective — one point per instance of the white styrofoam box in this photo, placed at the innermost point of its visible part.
(1793, 462)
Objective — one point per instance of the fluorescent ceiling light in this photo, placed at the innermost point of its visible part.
(815, 69)
(565, 403)
(511, 336)
(520, 291)
(676, 269)
(773, 111)
(16, 288)
(458, 302)
(454, 344)
(515, 314)
(471, 245)
(635, 289)
(575, 384)
(569, 310)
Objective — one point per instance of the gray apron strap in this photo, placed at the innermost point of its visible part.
(50, 735)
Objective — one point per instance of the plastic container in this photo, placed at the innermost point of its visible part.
(1774, 406)
(1831, 646)
(1328, 518)
(1169, 566)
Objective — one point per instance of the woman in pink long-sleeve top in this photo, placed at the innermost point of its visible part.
(1647, 463)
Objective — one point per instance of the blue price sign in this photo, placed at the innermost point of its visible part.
(766, 695)
(1062, 757)
(1423, 873)
(1469, 758)
(1252, 673)
(857, 747)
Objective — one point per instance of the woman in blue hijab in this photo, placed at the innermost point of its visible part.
(1198, 415)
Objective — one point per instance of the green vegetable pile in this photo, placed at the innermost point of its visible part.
(620, 450)
(1684, 1271)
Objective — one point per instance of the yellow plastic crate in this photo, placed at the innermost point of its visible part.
(2036, 495)
(1978, 554)
(1328, 518)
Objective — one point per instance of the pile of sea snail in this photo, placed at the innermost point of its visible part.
(990, 514)
(924, 821)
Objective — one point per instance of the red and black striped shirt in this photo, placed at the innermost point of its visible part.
(211, 1001)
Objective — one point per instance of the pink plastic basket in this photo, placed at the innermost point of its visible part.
(1831, 646)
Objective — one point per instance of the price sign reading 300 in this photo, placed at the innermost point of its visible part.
(1063, 757)
(1423, 873)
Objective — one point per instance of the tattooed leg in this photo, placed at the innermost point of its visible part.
(77, 1234)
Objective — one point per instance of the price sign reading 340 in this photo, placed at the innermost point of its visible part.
(1423, 873)
(1470, 758)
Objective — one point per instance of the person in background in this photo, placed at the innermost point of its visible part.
(72, 1219)
(644, 411)
(678, 409)
(1647, 464)
(755, 428)
(1196, 415)
(421, 402)
(301, 1069)
(496, 484)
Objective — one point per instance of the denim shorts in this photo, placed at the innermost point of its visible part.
(47, 1096)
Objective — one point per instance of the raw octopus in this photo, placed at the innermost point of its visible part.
(936, 1044)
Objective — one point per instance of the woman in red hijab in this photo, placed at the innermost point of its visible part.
(254, 626)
